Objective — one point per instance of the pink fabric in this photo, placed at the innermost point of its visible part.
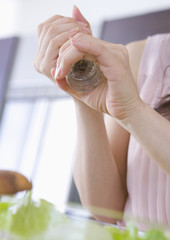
(148, 185)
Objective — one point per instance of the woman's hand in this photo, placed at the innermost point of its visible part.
(63, 41)
(52, 34)
(118, 94)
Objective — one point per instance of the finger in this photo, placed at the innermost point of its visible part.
(43, 28)
(80, 19)
(60, 43)
(52, 33)
(48, 21)
(67, 43)
(51, 29)
(114, 63)
(95, 47)
(77, 15)
(49, 60)
(57, 42)
(65, 61)
(63, 85)
(64, 47)
(52, 25)
(82, 45)
(56, 30)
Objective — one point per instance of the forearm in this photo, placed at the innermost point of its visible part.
(96, 173)
(152, 131)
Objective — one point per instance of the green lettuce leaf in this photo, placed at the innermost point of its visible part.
(33, 218)
(155, 234)
(5, 216)
(27, 219)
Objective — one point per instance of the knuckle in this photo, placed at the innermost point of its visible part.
(51, 30)
(56, 17)
(46, 24)
(53, 43)
(42, 28)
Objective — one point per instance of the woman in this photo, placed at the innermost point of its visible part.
(122, 161)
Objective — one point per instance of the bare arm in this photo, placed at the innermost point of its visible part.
(101, 157)
(100, 164)
(117, 135)
(149, 128)
(96, 173)
(152, 131)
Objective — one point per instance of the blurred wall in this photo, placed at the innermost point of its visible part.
(22, 16)
(33, 130)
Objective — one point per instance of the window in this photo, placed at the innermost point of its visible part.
(38, 130)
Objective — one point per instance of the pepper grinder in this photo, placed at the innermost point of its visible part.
(84, 76)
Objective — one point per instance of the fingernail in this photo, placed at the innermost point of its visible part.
(57, 73)
(53, 72)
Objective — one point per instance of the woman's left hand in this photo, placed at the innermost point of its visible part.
(54, 33)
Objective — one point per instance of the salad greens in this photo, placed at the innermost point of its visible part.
(28, 219)
(132, 233)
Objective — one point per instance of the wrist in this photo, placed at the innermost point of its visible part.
(87, 116)
(81, 106)
(135, 116)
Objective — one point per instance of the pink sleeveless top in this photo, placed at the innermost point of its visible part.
(148, 185)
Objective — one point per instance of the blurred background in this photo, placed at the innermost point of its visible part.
(37, 121)
(22, 17)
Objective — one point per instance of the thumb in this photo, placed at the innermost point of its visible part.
(77, 15)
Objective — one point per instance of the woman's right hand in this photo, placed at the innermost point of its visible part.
(54, 33)
(117, 95)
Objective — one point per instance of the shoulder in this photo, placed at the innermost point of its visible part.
(135, 50)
